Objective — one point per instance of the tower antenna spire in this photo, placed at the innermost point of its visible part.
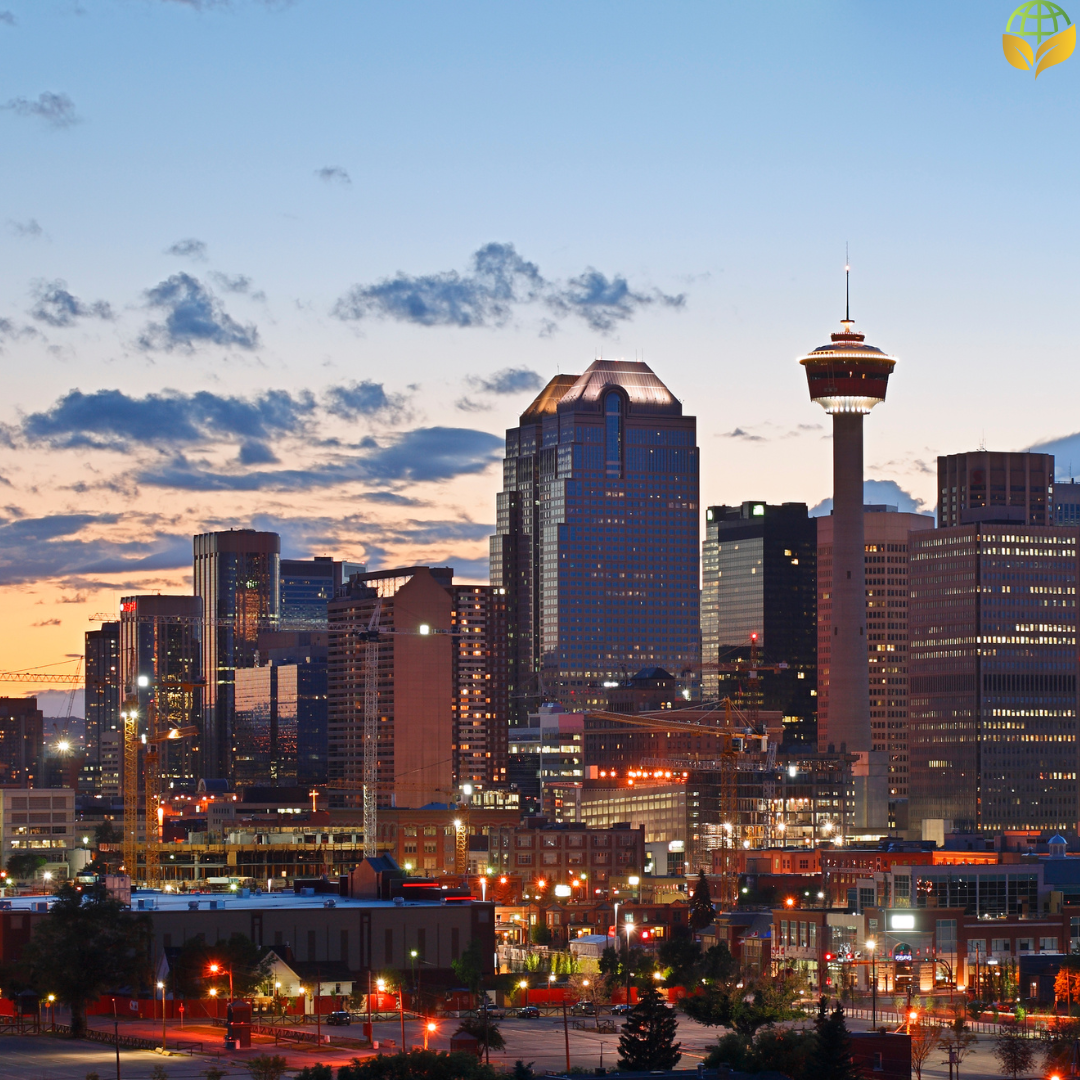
(847, 284)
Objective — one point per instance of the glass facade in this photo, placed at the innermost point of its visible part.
(597, 536)
(102, 703)
(308, 585)
(993, 677)
(985, 895)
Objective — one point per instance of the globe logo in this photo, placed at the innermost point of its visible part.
(1038, 35)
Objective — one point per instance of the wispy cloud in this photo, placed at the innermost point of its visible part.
(47, 622)
(333, 174)
(59, 308)
(507, 380)
(366, 398)
(739, 433)
(188, 249)
(56, 110)
(193, 316)
(29, 229)
(497, 283)
(7, 18)
(880, 493)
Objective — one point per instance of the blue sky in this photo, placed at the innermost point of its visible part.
(299, 264)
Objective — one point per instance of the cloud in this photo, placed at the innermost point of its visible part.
(497, 283)
(417, 456)
(47, 622)
(7, 17)
(57, 307)
(29, 229)
(188, 249)
(466, 404)
(879, 493)
(46, 547)
(237, 283)
(56, 110)
(1066, 451)
(111, 419)
(365, 398)
(507, 381)
(333, 174)
(193, 316)
(739, 433)
(78, 598)
(391, 498)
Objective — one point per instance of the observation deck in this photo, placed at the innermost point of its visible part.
(847, 375)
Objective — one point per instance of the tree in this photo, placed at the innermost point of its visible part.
(681, 955)
(540, 934)
(23, 865)
(648, 1041)
(487, 1034)
(831, 1056)
(1058, 1048)
(782, 1050)
(701, 905)
(523, 1070)
(239, 954)
(924, 1041)
(88, 944)
(1014, 1051)
(267, 1067)
(418, 1065)
(107, 833)
(732, 1049)
(318, 1071)
(718, 964)
(1067, 982)
(957, 1041)
(469, 967)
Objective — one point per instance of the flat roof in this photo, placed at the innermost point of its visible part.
(285, 899)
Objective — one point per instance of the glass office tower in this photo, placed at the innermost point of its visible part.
(597, 541)
(102, 705)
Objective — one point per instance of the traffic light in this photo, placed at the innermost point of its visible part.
(829, 958)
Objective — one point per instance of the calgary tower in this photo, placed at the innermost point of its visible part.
(847, 378)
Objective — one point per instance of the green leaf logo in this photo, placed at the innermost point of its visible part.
(1038, 34)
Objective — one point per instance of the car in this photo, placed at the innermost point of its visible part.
(583, 1008)
(620, 1010)
(491, 1012)
(341, 1018)
(527, 1012)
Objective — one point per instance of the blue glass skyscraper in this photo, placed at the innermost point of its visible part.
(597, 536)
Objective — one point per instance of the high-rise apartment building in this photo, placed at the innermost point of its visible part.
(308, 585)
(758, 565)
(101, 661)
(161, 665)
(993, 706)
(998, 487)
(237, 576)
(1067, 503)
(479, 707)
(597, 530)
(414, 685)
(886, 534)
(21, 742)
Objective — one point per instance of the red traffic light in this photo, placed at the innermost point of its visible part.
(828, 957)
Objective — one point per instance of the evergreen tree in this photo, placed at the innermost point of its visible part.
(701, 905)
(648, 1041)
(831, 1057)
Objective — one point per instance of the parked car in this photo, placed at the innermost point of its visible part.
(527, 1012)
(342, 1018)
(620, 1010)
(583, 1008)
(490, 1011)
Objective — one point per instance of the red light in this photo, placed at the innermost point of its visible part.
(753, 636)
(828, 957)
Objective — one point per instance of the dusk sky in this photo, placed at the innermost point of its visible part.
(297, 266)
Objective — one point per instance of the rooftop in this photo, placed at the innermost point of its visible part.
(646, 393)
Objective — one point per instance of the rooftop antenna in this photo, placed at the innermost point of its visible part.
(847, 284)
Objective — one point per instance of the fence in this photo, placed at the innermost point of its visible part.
(1034, 1027)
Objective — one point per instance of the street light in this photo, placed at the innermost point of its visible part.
(629, 931)
(635, 883)
(429, 1029)
(161, 987)
(216, 968)
(872, 945)
(524, 985)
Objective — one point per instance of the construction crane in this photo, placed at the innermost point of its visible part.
(74, 681)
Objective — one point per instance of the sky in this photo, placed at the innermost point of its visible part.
(297, 266)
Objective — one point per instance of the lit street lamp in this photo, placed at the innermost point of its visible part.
(161, 987)
(872, 945)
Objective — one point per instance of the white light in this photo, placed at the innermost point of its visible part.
(562, 890)
(792, 771)
(143, 680)
(424, 628)
(634, 880)
(610, 685)
(467, 789)
(903, 922)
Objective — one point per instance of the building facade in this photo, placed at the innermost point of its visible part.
(101, 661)
(758, 566)
(21, 742)
(596, 541)
(237, 577)
(999, 487)
(308, 586)
(993, 707)
(886, 535)
(41, 821)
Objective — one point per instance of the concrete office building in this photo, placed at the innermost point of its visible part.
(848, 378)
(101, 662)
(1000, 487)
(42, 820)
(758, 586)
(237, 576)
(161, 667)
(596, 542)
(887, 553)
(21, 735)
(1066, 503)
(993, 705)
(413, 608)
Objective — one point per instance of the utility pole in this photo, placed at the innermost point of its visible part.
(566, 1033)
(116, 1036)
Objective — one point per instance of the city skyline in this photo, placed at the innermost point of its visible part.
(332, 346)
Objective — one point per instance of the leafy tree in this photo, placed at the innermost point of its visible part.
(745, 1010)
(957, 1041)
(701, 905)
(239, 954)
(418, 1065)
(318, 1071)
(469, 967)
(267, 1067)
(107, 833)
(924, 1041)
(1058, 1047)
(88, 944)
(648, 1041)
(783, 1050)
(681, 955)
(521, 1071)
(23, 865)
(1067, 982)
(831, 1056)
(1015, 1052)
(732, 1049)
(718, 964)
(540, 934)
(483, 1031)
